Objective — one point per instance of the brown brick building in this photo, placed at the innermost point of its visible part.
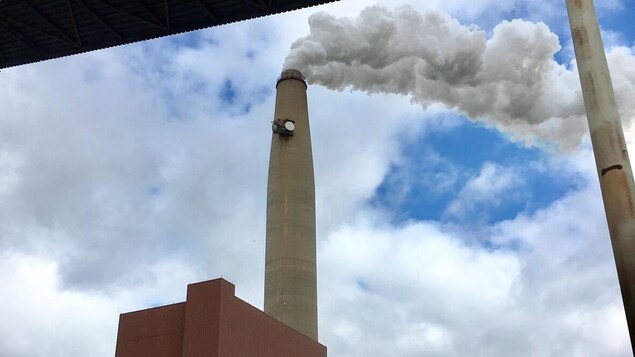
(212, 322)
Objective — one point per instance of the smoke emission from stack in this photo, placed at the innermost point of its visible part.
(509, 81)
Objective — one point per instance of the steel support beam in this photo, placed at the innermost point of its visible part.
(151, 14)
(259, 4)
(20, 38)
(51, 24)
(166, 5)
(208, 10)
(101, 21)
(38, 30)
(131, 15)
(71, 12)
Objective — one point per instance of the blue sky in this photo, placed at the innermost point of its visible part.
(421, 189)
(127, 173)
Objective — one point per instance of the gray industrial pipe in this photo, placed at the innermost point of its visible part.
(609, 147)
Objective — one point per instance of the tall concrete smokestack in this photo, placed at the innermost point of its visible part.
(290, 270)
(609, 147)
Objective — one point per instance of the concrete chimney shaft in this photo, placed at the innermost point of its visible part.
(290, 270)
(609, 147)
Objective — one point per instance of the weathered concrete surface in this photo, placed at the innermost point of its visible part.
(290, 271)
(609, 147)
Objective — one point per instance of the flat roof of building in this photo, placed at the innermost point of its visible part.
(38, 30)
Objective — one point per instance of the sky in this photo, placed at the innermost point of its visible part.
(458, 205)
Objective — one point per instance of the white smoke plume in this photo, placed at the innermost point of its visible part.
(509, 81)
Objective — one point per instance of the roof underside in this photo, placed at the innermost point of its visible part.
(37, 30)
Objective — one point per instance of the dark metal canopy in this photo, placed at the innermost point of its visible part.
(37, 30)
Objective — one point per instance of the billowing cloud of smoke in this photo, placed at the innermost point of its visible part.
(509, 81)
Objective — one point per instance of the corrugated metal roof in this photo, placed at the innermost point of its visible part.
(37, 30)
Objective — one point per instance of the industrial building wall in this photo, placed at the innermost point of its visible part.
(154, 332)
(211, 323)
(247, 331)
(202, 317)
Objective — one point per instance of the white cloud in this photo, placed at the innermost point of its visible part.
(541, 295)
(9, 171)
(43, 318)
(493, 185)
(40, 319)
